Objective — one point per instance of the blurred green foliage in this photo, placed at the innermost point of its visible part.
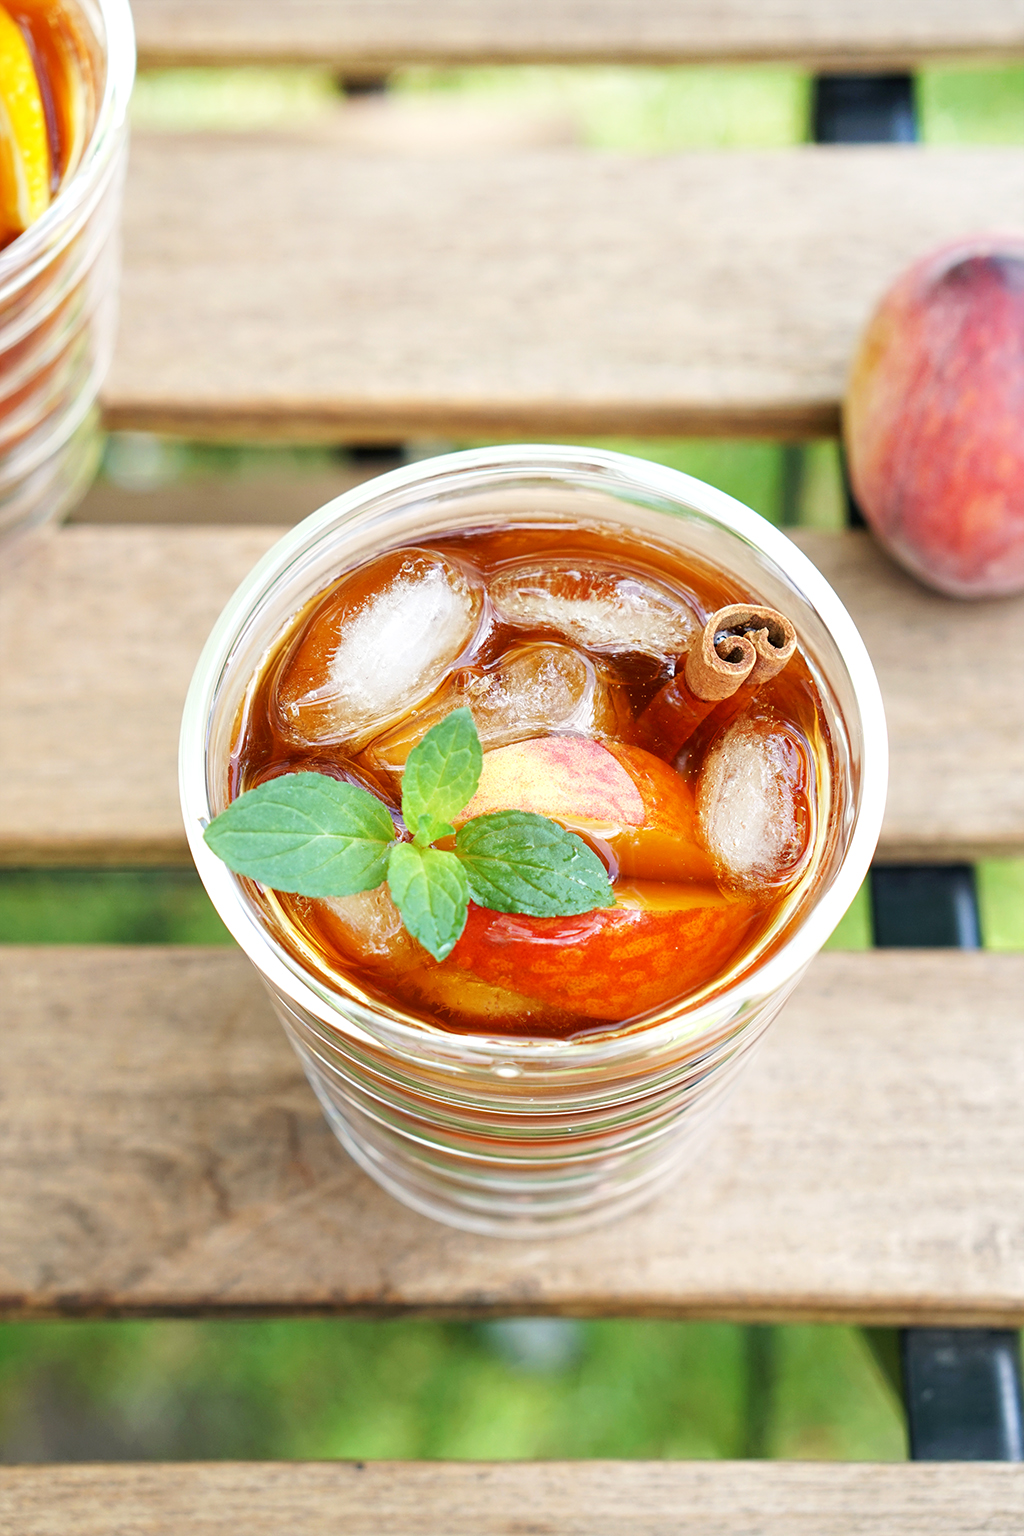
(144, 460)
(855, 929)
(107, 906)
(642, 110)
(791, 485)
(1001, 903)
(628, 108)
(234, 99)
(971, 106)
(414, 1388)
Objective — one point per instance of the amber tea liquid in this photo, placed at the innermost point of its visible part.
(685, 920)
(70, 70)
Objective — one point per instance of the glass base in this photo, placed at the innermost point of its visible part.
(541, 1202)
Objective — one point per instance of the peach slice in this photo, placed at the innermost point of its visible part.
(25, 167)
(659, 943)
(622, 797)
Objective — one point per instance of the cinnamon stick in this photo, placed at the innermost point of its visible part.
(771, 634)
(738, 645)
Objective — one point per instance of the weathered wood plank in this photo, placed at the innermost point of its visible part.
(956, 766)
(100, 630)
(581, 1498)
(162, 1153)
(289, 289)
(372, 36)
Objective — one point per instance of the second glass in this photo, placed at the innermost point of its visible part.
(59, 280)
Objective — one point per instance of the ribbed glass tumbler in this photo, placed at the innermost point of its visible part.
(513, 1136)
(58, 296)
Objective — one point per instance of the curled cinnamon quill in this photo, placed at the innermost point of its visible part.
(771, 634)
(738, 645)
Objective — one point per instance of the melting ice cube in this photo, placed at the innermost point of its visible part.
(453, 993)
(753, 801)
(368, 928)
(534, 690)
(596, 605)
(382, 641)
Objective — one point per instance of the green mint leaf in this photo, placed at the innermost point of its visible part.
(441, 776)
(516, 861)
(430, 890)
(430, 829)
(307, 833)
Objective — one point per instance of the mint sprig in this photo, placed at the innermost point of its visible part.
(306, 833)
(315, 836)
(430, 889)
(516, 861)
(441, 776)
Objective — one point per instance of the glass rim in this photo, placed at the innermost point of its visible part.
(119, 52)
(768, 976)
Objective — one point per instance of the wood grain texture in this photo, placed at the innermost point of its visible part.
(101, 627)
(290, 289)
(162, 1153)
(588, 1498)
(100, 630)
(370, 36)
(956, 764)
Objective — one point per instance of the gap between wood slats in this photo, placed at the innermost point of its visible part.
(371, 36)
(101, 628)
(282, 289)
(271, 498)
(582, 1498)
(163, 1154)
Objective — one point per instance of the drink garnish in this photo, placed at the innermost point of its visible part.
(25, 167)
(739, 645)
(314, 835)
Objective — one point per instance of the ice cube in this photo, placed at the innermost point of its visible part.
(451, 992)
(381, 642)
(533, 690)
(597, 605)
(368, 929)
(753, 801)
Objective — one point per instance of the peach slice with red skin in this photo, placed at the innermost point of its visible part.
(658, 943)
(622, 797)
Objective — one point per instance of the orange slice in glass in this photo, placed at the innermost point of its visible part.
(25, 168)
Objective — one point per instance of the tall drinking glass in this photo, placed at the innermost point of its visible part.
(515, 1136)
(58, 281)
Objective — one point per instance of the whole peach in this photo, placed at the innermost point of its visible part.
(934, 418)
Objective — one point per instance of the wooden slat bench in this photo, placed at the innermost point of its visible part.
(364, 37)
(593, 1498)
(281, 288)
(163, 1155)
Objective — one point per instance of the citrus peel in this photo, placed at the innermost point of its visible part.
(25, 164)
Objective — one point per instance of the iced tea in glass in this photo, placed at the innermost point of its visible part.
(548, 1071)
(66, 71)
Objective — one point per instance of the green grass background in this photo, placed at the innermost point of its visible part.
(422, 1388)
